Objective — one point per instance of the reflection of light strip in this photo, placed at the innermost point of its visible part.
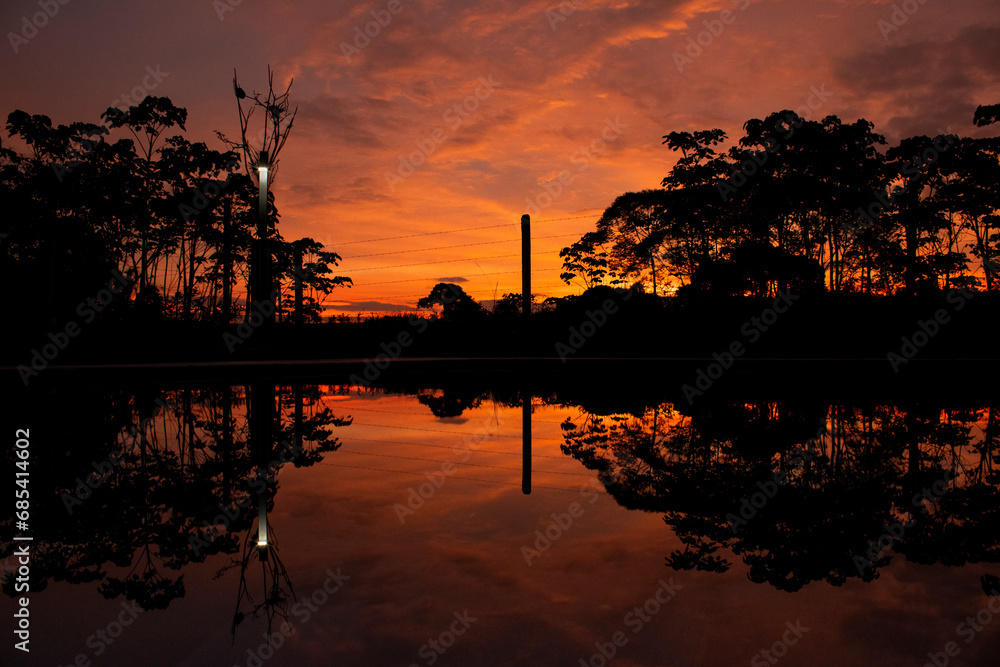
(261, 521)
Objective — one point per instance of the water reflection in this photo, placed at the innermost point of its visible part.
(185, 482)
(174, 478)
(804, 493)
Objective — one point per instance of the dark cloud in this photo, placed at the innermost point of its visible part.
(925, 86)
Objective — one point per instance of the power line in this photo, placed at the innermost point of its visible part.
(419, 280)
(464, 463)
(412, 236)
(455, 231)
(456, 448)
(578, 217)
(467, 479)
(446, 261)
(449, 247)
(437, 430)
(440, 261)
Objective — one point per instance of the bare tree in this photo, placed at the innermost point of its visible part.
(278, 119)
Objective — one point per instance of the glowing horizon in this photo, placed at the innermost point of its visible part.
(416, 119)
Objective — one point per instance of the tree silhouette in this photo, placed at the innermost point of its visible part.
(801, 202)
(454, 302)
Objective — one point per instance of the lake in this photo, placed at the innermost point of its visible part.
(416, 525)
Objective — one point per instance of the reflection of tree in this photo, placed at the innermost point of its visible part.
(180, 488)
(450, 403)
(277, 585)
(737, 478)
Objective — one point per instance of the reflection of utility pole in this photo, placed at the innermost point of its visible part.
(526, 443)
(263, 252)
(261, 426)
(525, 265)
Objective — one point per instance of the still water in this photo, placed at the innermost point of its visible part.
(325, 524)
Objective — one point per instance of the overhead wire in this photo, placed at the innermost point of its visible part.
(455, 231)
(463, 449)
(468, 479)
(464, 463)
(450, 247)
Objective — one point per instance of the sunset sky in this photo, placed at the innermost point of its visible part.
(455, 115)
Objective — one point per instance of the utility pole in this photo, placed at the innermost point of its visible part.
(264, 280)
(525, 265)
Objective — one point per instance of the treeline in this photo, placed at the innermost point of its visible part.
(87, 201)
(805, 205)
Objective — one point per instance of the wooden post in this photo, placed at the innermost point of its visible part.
(525, 265)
